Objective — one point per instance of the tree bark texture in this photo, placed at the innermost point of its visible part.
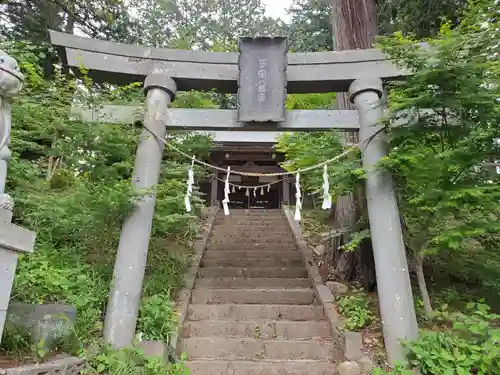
(354, 25)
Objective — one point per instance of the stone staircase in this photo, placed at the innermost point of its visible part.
(253, 310)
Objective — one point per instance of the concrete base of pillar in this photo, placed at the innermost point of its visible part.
(155, 349)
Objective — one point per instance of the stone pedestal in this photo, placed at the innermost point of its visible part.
(155, 349)
(48, 324)
(13, 240)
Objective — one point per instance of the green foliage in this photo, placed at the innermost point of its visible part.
(15, 339)
(304, 150)
(71, 183)
(448, 198)
(157, 318)
(356, 310)
(356, 239)
(52, 277)
(471, 343)
(310, 101)
(202, 24)
(311, 27)
(128, 361)
(467, 343)
(31, 20)
(70, 178)
(408, 16)
(313, 223)
(397, 370)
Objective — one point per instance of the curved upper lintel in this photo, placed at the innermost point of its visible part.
(202, 70)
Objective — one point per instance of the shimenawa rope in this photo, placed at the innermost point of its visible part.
(227, 191)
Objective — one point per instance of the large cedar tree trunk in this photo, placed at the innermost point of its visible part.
(354, 24)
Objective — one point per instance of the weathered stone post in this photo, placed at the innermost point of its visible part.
(286, 192)
(393, 281)
(13, 239)
(126, 287)
(213, 189)
(11, 83)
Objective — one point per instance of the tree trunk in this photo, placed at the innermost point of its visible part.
(350, 266)
(422, 285)
(354, 25)
(70, 24)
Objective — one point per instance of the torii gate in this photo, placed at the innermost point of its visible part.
(262, 73)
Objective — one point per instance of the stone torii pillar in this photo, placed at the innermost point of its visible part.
(13, 239)
(214, 186)
(126, 287)
(285, 199)
(393, 280)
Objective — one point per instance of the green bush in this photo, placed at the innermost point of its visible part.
(15, 340)
(356, 310)
(129, 361)
(468, 343)
(398, 370)
(157, 319)
(48, 277)
(70, 180)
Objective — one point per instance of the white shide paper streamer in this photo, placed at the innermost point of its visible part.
(298, 196)
(226, 193)
(327, 198)
(189, 190)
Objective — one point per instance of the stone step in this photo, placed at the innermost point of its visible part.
(250, 236)
(278, 246)
(255, 312)
(253, 225)
(257, 228)
(304, 367)
(245, 241)
(253, 349)
(241, 282)
(264, 272)
(239, 212)
(214, 254)
(287, 330)
(255, 220)
(235, 216)
(238, 225)
(253, 296)
(252, 212)
(253, 262)
(255, 211)
(275, 221)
